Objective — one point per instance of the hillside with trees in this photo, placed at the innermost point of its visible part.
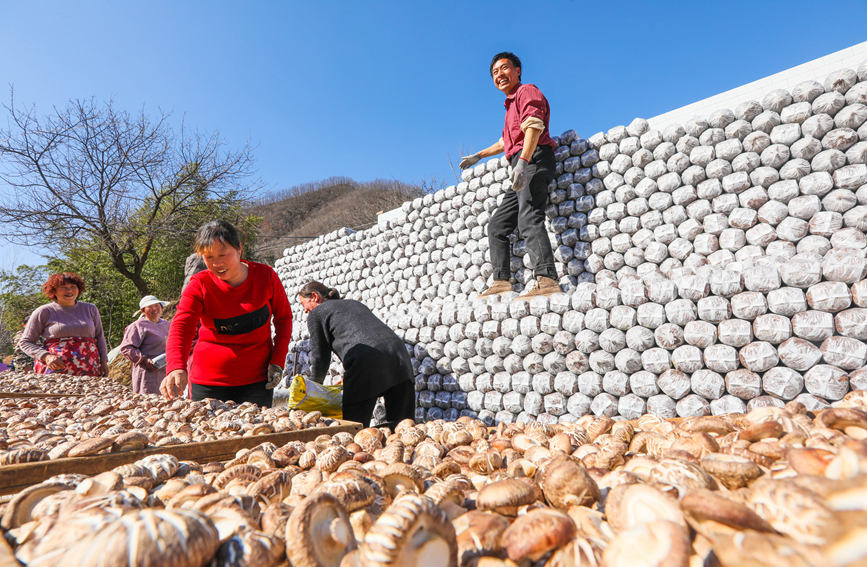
(295, 215)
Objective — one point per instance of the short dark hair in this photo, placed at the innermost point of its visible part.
(216, 230)
(321, 289)
(49, 288)
(504, 55)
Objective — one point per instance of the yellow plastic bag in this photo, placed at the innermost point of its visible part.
(307, 395)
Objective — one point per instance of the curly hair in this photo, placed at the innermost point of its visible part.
(49, 288)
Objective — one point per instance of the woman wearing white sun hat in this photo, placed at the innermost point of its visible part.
(143, 342)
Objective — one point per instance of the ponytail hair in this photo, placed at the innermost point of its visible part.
(324, 291)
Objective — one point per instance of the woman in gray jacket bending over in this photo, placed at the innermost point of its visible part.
(375, 360)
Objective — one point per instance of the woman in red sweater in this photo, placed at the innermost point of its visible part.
(235, 357)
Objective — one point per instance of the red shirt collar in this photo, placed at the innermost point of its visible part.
(511, 96)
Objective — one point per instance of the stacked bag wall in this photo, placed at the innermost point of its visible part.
(708, 268)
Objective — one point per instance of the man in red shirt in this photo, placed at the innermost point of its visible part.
(530, 150)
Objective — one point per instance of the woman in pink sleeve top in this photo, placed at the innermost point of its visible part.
(74, 342)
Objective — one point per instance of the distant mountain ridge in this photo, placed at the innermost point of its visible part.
(319, 208)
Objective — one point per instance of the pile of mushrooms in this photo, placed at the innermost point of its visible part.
(29, 382)
(38, 429)
(772, 487)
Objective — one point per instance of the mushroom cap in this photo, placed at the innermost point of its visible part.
(681, 474)
(505, 496)
(250, 547)
(701, 506)
(274, 518)
(848, 495)
(272, 487)
(731, 470)
(536, 533)
(849, 549)
(657, 544)
(486, 462)
(413, 532)
(446, 491)
(90, 446)
(166, 491)
(351, 489)
(840, 418)
(174, 538)
(579, 551)
(764, 550)
(775, 449)
(791, 510)
(762, 430)
(707, 424)
(18, 510)
(401, 476)
(445, 468)
(855, 398)
(130, 441)
(189, 495)
(243, 474)
(808, 460)
(629, 505)
(320, 532)
(332, 457)
(561, 443)
(640, 466)
(479, 533)
(565, 482)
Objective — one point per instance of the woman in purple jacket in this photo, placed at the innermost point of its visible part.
(74, 339)
(143, 342)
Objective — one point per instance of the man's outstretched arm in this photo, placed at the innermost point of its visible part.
(491, 150)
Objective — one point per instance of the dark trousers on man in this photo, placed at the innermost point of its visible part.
(525, 210)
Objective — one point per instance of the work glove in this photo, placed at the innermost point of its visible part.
(519, 176)
(275, 374)
(470, 160)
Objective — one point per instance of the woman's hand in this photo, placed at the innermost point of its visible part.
(103, 368)
(149, 365)
(174, 384)
(53, 362)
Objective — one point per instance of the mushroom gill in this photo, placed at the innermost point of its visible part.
(319, 532)
(413, 532)
(656, 544)
(629, 505)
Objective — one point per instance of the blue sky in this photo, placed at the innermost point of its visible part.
(395, 89)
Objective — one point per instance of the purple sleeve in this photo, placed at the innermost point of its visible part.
(132, 340)
(99, 335)
(29, 342)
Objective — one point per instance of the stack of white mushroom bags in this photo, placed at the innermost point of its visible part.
(707, 268)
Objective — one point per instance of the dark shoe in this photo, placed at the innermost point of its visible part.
(496, 288)
(542, 285)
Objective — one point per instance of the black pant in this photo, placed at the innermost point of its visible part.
(399, 404)
(526, 211)
(255, 392)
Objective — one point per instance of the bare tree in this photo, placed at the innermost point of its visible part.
(92, 172)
